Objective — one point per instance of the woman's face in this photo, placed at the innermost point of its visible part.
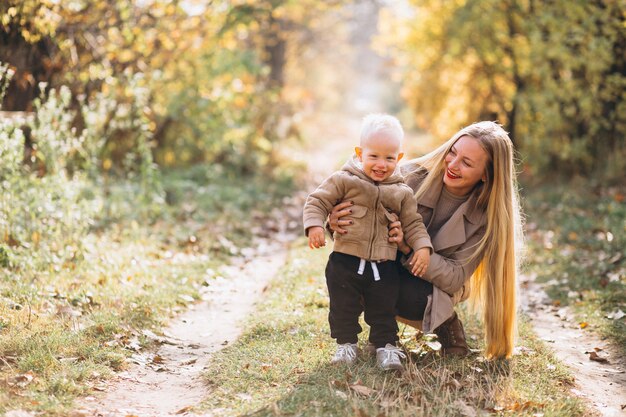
(465, 166)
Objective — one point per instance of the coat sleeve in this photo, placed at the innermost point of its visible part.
(413, 227)
(321, 201)
(451, 272)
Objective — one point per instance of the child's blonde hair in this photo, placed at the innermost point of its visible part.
(494, 281)
(378, 123)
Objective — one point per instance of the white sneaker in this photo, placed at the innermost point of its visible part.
(388, 358)
(345, 353)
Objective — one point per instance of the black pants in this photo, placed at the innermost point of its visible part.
(351, 293)
(413, 296)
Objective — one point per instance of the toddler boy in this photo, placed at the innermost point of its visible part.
(361, 273)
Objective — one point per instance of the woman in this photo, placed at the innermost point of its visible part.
(467, 195)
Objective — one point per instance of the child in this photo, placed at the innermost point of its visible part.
(379, 197)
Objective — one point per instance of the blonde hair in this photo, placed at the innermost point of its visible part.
(378, 123)
(494, 281)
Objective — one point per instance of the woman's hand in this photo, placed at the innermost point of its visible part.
(396, 235)
(334, 218)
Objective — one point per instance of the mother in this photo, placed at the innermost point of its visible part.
(466, 192)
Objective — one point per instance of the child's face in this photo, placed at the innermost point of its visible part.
(379, 155)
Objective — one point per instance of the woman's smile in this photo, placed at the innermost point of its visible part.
(452, 175)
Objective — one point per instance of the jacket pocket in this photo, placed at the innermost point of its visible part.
(386, 216)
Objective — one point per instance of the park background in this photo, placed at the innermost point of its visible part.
(143, 144)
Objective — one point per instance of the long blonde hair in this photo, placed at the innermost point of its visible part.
(494, 281)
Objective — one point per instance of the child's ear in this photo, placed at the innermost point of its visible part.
(359, 153)
(400, 155)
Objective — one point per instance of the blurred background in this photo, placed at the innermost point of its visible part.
(116, 109)
(235, 83)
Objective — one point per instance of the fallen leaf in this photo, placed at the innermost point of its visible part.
(157, 359)
(453, 383)
(616, 315)
(434, 345)
(583, 324)
(362, 390)
(21, 380)
(339, 384)
(597, 358)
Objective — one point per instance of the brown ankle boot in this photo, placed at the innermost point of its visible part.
(452, 337)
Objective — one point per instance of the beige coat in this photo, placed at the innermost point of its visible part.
(375, 205)
(449, 269)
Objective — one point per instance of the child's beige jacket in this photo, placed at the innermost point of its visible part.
(375, 206)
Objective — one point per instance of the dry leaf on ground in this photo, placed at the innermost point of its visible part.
(362, 390)
(597, 358)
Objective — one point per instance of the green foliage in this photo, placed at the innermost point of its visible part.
(212, 78)
(552, 72)
(50, 193)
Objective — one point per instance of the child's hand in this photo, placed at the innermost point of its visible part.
(420, 261)
(316, 237)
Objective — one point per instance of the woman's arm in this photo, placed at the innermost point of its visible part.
(450, 273)
(447, 273)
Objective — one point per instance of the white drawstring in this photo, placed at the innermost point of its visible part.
(361, 267)
(374, 269)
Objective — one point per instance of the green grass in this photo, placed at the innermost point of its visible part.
(66, 326)
(280, 366)
(577, 246)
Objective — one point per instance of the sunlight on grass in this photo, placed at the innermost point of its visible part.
(281, 367)
(577, 247)
(65, 327)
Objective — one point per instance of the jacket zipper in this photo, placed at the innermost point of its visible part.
(373, 235)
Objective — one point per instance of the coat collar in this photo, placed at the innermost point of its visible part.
(468, 209)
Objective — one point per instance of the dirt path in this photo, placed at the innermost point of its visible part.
(169, 382)
(602, 384)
